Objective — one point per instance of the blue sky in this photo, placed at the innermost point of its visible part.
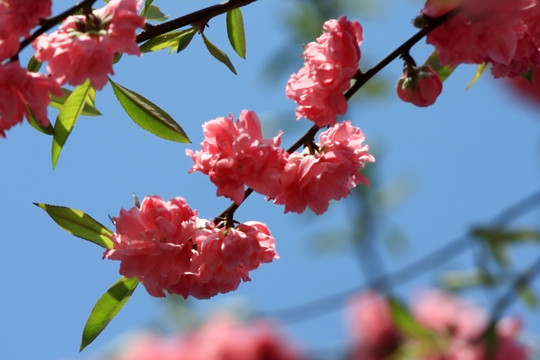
(462, 160)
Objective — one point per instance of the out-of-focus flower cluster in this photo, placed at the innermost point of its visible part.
(442, 327)
(219, 338)
(168, 248)
(503, 33)
(84, 47)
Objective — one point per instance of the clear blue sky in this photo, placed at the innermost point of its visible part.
(467, 157)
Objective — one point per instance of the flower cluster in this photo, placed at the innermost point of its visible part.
(219, 338)
(330, 64)
(168, 248)
(84, 46)
(446, 328)
(22, 93)
(328, 172)
(234, 155)
(503, 33)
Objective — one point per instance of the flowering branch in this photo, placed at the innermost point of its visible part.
(198, 16)
(360, 77)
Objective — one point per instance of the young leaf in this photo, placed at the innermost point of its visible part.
(147, 4)
(88, 109)
(106, 308)
(148, 115)
(235, 31)
(479, 71)
(443, 71)
(172, 40)
(185, 39)
(33, 65)
(218, 54)
(67, 117)
(79, 224)
(154, 13)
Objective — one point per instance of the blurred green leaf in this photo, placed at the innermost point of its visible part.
(79, 224)
(152, 12)
(88, 109)
(529, 75)
(498, 239)
(405, 322)
(528, 296)
(33, 65)
(147, 3)
(68, 115)
(218, 54)
(443, 71)
(148, 115)
(479, 71)
(235, 31)
(460, 280)
(106, 308)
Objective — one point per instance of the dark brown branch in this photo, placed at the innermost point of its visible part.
(199, 16)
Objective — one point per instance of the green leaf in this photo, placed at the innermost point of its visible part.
(218, 54)
(529, 75)
(405, 322)
(459, 280)
(185, 39)
(68, 115)
(106, 308)
(528, 296)
(88, 109)
(235, 31)
(498, 239)
(33, 65)
(172, 41)
(79, 224)
(48, 130)
(148, 115)
(154, 13)
(479, 71)
(443, 71)
(147, 4)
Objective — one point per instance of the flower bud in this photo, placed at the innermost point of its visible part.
(420, 86)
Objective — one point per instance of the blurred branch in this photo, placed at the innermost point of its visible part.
(438, 257)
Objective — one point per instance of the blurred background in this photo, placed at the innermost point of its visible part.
(440, 172)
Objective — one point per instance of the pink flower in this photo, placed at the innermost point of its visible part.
(20, 91)
(224, 257)
(485, 31)
(235, 155)
(225, 338)
(167, 247)
(84, 47)
(419, 86)
(330, 64)
(17, 18)
(462, 326)
(154, 243)
(330, 172)
(372, 328)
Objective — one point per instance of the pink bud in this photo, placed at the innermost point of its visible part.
(419, 86)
